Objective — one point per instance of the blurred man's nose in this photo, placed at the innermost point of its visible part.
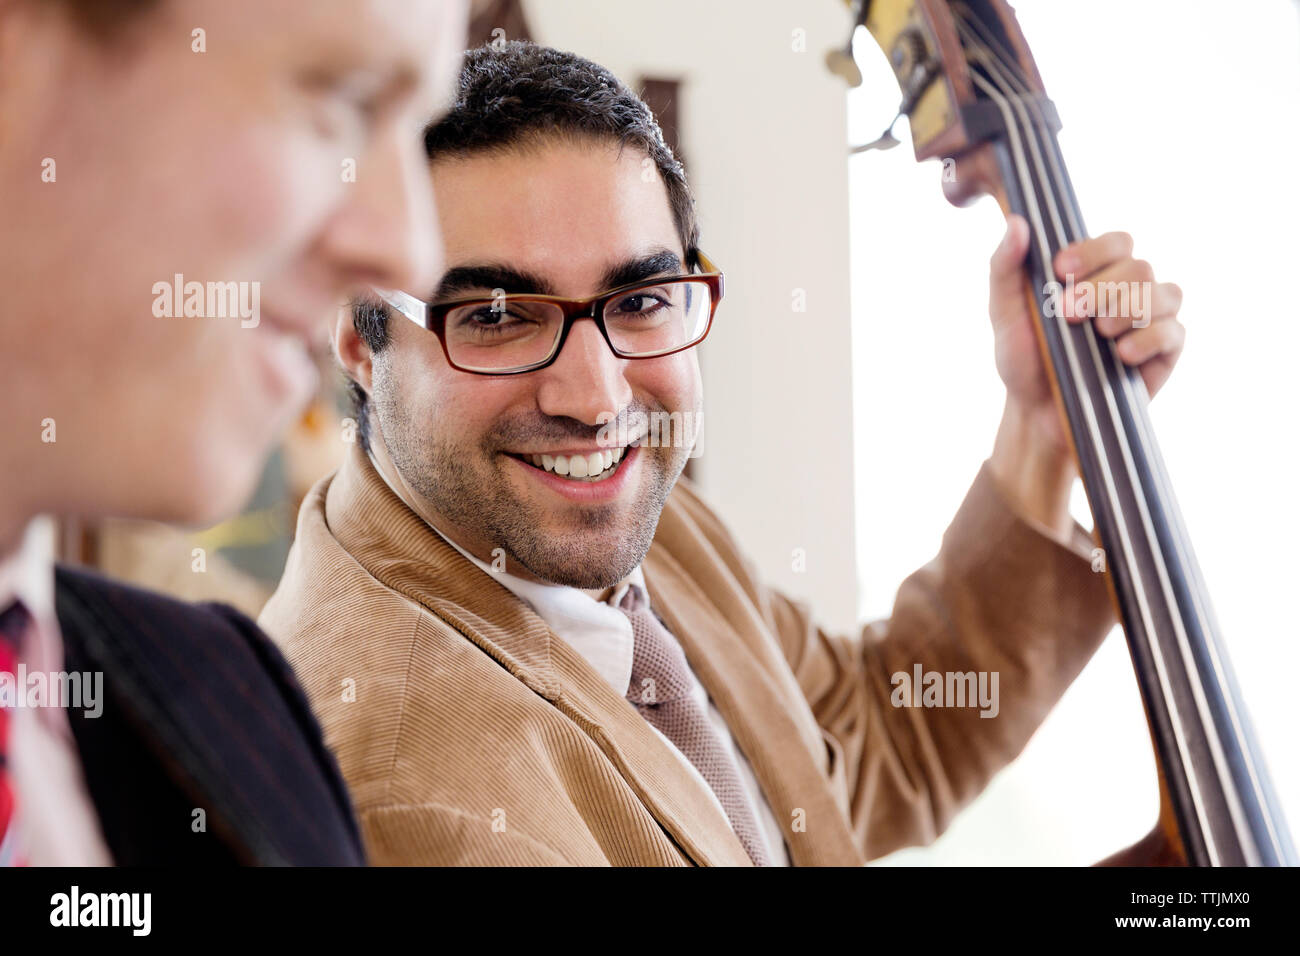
(387, 235)
(587, 380)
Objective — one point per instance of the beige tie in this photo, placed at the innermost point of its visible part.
(661, 690)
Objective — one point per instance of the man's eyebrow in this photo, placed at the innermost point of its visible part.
(463, 280)
(468, 279)
(659, 263)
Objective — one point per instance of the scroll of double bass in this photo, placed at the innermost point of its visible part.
(972, 95)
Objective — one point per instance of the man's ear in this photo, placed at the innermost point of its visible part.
(352, 351)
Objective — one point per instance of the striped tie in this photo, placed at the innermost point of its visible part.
(661, 690)
(14, 624)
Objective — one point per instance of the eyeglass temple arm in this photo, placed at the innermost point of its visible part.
(411, 307)
(708, 267)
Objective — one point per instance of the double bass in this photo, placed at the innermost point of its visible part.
(974, 100)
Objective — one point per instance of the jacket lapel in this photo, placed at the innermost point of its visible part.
(667, 789)
(404, 554)
(147, 661)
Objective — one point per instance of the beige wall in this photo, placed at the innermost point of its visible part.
(763, 129)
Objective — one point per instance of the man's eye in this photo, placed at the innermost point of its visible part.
(338, 115)
(341, 106)
(487, 315)
(639, 303)
(496, 315)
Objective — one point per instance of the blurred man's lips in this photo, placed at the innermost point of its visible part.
(286, 359)
(301, 326)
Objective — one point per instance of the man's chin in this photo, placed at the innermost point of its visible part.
(587, 545)
(578, 578)
(578, 565)
(586, 554)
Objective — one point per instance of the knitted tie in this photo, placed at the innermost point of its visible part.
(14, 621)
(661, 690)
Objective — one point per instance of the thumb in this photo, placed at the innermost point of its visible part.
(1006, 281)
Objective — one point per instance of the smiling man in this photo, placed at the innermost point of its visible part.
(523, 467)
(530, 641)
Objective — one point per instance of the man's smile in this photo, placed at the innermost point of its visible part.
(581, 475)
(578, 465)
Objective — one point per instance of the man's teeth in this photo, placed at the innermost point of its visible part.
(594, 465)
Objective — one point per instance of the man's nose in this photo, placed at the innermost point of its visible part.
(387, 233)
(587, 379)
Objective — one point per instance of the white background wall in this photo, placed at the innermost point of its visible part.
(857, 440)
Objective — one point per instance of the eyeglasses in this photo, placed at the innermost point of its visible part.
(512, 334)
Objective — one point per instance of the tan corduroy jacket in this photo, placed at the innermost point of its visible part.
(469, 733)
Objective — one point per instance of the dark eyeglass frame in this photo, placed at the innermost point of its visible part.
(432, 316)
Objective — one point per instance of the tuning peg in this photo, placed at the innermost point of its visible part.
(842, 64)
(887, 140)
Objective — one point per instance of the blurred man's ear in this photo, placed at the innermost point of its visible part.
(351, 349)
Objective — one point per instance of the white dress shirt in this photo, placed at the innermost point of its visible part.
(602, 634)
(56, 822)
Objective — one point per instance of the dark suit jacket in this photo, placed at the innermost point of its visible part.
(200, 712)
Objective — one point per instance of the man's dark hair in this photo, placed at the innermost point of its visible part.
(517, 94)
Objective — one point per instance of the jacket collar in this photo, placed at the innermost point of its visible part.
(404, 554)
(597, 630)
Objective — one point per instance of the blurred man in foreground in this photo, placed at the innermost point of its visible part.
(178, 222)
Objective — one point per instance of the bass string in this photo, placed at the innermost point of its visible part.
(1137, 407)
(1138, 400)
(1196, 600)
(1007, 75)
(1130, 377)
(1086, 402)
